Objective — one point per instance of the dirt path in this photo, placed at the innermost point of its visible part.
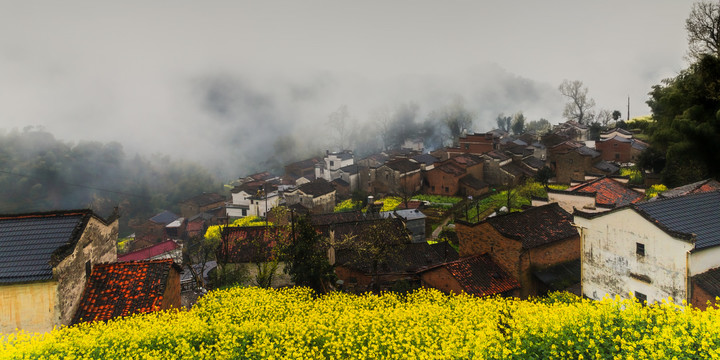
(437, 231)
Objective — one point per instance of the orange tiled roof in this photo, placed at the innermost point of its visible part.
(609, 192)
(122, 289)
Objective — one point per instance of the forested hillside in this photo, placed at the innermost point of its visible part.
(41, 173)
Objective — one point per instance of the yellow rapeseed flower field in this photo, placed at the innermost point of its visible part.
(253, 323)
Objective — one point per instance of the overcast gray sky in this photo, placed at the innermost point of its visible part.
(173, 76)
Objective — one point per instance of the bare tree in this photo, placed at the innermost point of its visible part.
(703, 27)
(340, 121)
(603, 117)
(579, 107)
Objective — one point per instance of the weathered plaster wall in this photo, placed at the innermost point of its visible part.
(610, 264)
(96, 245)
(704, 260)
(570, 201)
(29, 306)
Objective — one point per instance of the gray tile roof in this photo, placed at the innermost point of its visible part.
(28, 242)
(164, 217)
(691, 214)
(709, 281)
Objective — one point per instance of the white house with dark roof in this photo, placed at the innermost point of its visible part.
(331, 164)
(652, 249)
(45, 259)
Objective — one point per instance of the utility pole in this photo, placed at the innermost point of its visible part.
(628, 111)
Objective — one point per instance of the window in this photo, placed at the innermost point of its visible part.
(447, 189)
(467, 146)
(639, 249)
(88, 269)
(615, 145)
(332, 163)
(617, 156)
(433, 188)
(641, 298)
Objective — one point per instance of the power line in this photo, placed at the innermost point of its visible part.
(76, 185)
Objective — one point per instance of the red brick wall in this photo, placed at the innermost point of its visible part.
(171, 297)
(509, 254)
(441, 279)
(440, 180)
(476, 144)
(613, 150)
(700, 297)
(483, 238)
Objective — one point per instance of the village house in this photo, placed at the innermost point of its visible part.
(201, 203)
(523, 243)
(45, 259)
(572, 160)
(304, 169)
(254, 198)
(318, 196)
(153, 230)
(476, 275)
(246, 247)
(331, 164)
(126, 288)
(653, 249)
(473, 143)
(502, 169)
(699, 187)
(414, 221)
(600, 194)
(620, 149)
(400, 176)
(401, 272)
(168, 249)
(446, 177)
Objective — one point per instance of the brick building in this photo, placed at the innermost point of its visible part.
(44, 261)
(475, 275)
(477, 144)
(445, 177)
(523, 242)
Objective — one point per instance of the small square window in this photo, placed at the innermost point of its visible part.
(640, 249)
(641, 298)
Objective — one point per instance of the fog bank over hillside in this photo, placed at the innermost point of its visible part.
(228, 83)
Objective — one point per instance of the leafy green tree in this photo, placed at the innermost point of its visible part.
(307, 262)
(518, 123)
(503, 122)
(378, 244)
(540, 127)
(687, 128)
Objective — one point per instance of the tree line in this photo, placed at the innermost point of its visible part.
(41, 173)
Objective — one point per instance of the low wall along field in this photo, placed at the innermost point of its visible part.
(252, 323)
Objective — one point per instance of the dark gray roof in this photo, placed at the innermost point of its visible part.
(706, 185)
(606, 167)
(164, 217)
(317, 187)
(350, 169)
(426, 159)
(586, 151)
(709, 281)
(691, 214)
(533, 162)
(28, 242)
